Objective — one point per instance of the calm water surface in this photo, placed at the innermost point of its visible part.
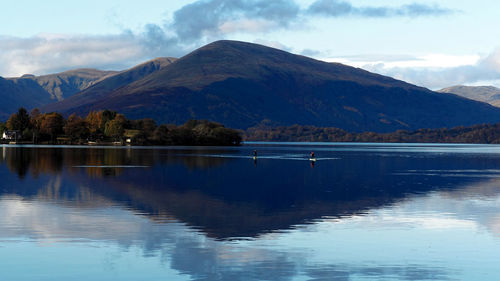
(361, 212)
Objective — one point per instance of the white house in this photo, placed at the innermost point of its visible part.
(11, 135)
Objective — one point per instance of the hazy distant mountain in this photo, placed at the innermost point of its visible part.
(31, 91)
(487, 94)
(105, 86)
(20, 92)
(241, 84)
(65, 84)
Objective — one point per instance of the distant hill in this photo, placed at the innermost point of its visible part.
(487, 94)
(242, 84)
(102, 88)
(32, 91)
(20, 92)
(65, 84)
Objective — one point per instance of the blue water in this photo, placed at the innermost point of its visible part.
(360, 212)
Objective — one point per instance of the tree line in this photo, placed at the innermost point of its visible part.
(109, 126)
(485, 133)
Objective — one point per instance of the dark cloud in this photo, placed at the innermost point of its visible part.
(210, 17)
(338, 8)
(157, 43)
(205, 17)
(417, 10)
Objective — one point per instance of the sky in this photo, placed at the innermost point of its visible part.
(431, 43)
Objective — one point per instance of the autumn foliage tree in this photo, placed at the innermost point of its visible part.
(116, 127)
(19, 121)
(108, 125)
(76, 128)
(51, 124)
(94, 120)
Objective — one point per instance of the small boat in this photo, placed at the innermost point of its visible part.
(312, 157)
(254, 155)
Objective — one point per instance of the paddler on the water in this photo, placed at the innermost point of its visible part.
(312, 159)
(255, 154)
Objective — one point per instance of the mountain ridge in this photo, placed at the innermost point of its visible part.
(20, 93)
(488, 94)
(65, 84)
(120, 79)
(242, 84)
(32, 91)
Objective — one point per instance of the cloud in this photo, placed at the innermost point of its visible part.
(310, 53)
(434, 71)
(191, 26)
(484, 70)
(337, 8)
(218, 17)
(273, 44)
(48, 53)
(214, 17)
(187, 251)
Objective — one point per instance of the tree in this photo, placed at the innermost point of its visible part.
(19, 121)
(226, 136)
(76, 128)
(52, 124)
(161, 135)
(147, 126)
(3, 127)
(35, 123)
(94, 120)
(116, 127)
(106, 116)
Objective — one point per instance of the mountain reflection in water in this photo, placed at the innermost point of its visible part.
(226, 197)
(205, 199)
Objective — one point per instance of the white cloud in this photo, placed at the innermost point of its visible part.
(436, 61)
(50, 53)
(434, 71)
(272, 44)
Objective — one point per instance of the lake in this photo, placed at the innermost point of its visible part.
(360, 212)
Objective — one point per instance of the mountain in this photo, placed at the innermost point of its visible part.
(487, 94)
(242, 84)
(101, 88)
(20, 93)
(65, 84)
(32, 91)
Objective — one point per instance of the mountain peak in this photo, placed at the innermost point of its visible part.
(489, 94)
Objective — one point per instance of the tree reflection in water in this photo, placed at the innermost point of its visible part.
(221, 191)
